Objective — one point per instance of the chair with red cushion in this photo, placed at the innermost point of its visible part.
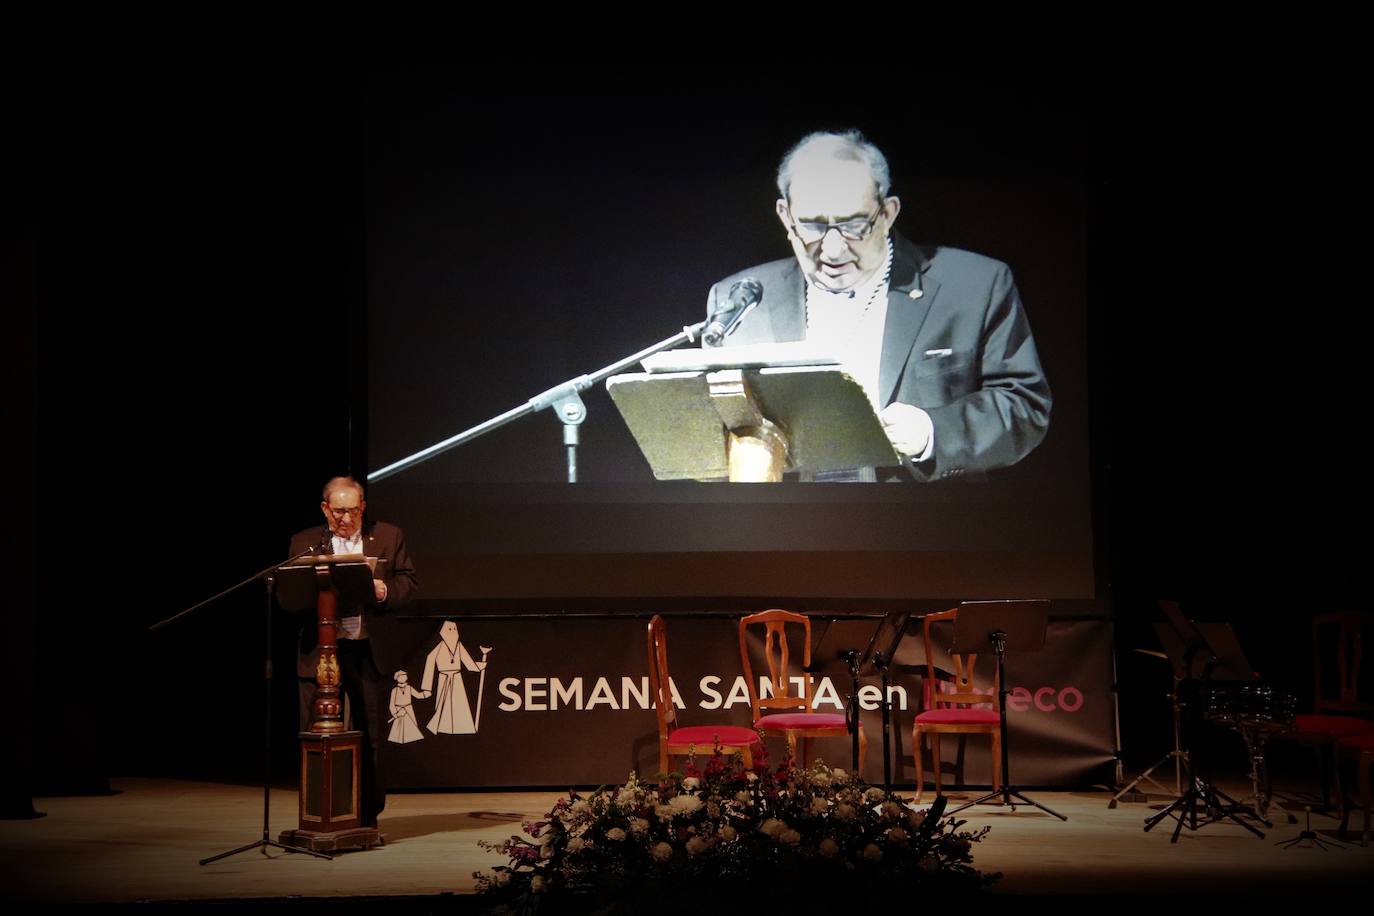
(1338, 711)
(953, 706)
(675, 739)
(784, 713)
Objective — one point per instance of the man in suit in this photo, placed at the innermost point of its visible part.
(368, 645)
(936, 336)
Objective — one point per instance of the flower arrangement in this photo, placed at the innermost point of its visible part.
(795, 833)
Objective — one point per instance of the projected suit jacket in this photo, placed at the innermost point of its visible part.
(956, 344)
(387, 542)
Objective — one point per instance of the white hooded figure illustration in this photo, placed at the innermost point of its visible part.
(404, 728)
(452, 716)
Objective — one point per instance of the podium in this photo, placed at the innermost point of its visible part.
(330, 812)
(749, 414)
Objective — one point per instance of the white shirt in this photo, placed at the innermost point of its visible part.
(350, 627)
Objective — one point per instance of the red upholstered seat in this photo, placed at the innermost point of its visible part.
(1364, 742)
(802, 720)
(675, 740)
(1333, 725)
(959, 717)
(707, 736)
(954, 706)
(783, 713)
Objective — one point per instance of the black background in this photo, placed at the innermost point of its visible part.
(183, 218)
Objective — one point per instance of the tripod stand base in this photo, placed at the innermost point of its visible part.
(1005, 796)
(265, 844)
(335, 841)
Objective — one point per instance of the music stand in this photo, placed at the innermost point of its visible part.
(1196, 661)
(837, 642)
(882, 648)
(1008, 626)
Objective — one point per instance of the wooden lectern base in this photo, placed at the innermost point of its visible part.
(356, 838)
(330, 815)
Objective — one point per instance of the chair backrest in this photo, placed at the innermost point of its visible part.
(660, 684)
(1337, 672)
(960, 691)
(778, 657)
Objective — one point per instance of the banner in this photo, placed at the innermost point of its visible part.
(565, 701)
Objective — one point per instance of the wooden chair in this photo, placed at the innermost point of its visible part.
(1338, 712)
(795, 716)
(1360, 747)
(954, 710)
(674, 739)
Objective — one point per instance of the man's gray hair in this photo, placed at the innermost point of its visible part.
(340, 483)
(848, 145)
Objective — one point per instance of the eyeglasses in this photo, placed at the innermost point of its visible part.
(855, 230)
(343, 513)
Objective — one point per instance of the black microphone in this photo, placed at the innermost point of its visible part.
(744, 295)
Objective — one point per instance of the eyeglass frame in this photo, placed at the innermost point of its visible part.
(869, 225)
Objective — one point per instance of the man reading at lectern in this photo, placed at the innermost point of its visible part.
(936, 336)
(367, 644)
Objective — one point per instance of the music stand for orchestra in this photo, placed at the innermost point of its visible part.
(837, 641)
(1200, 653)
(1017, 627)
(882, 648)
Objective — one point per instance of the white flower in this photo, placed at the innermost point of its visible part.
(691, 782)
(639, 825)
(727, 833)
(840, 776)
(916, 819)
(896, 834)
(829, 848)
(772, 827)
(575, 844)
(845, 811)
(820, 778)
(537, 884)
(752, 776)
(627, 797)
(790, 837)
(872, 853)
(580, 807)
(663, 812)
(662, 852)
(892, 810)
(819, 805)
(684, 804)
(696, 846)
(873, 795)
(616, 834)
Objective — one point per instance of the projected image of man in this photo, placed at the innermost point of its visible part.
(936, 336)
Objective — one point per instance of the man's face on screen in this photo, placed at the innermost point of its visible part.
(836, 223)
(343, 511)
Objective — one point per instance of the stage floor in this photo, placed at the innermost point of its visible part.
(144, 844)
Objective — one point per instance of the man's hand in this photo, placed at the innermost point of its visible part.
(909, 428)
(379, 588)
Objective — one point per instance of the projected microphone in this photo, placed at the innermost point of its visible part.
(744, 295)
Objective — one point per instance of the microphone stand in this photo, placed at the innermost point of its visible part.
(564, 399)
(266, 840)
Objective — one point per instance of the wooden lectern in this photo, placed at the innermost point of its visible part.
(749, 414)
(331, 757)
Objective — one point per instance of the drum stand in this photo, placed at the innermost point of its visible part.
(1215, 805)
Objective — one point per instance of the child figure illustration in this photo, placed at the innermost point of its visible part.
(404, 728)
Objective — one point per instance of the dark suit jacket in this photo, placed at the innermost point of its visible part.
(386, 542)
(987, 396)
